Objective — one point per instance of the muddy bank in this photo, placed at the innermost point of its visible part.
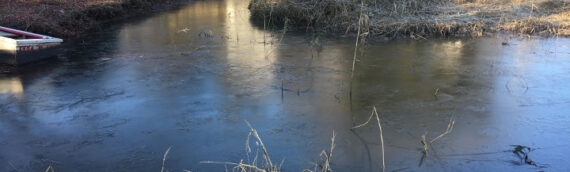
(420, 19)
(71, 18)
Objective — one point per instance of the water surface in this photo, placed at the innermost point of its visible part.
(189, 78)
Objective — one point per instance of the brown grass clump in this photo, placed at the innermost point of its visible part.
(421, 19)
(266, 165)
(252, 165)
(539, 26)
(554, 6)
(328, 15)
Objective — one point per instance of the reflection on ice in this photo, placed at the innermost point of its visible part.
(12, 85)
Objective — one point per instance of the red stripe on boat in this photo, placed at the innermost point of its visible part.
(22, 33)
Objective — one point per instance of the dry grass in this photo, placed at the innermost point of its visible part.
(328, 15)
(325, 165)
(266, 165)
(328, 155)
(422, 19)
(266, 157)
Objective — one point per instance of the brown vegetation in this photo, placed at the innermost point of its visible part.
(68, 18)
(421, 19)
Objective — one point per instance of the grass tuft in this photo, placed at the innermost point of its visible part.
(266, 164)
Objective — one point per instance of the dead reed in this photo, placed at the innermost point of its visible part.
(283, 32)
(426, 142)
(325, 165)
(447, 131)
(50, 169)
(266, 164)
(164, 159)
(375, 113)
(360, 22)
(357, 39)
(264, 149)
(326, 155)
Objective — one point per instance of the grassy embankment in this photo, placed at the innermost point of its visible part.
(70, 18)
(420, 19)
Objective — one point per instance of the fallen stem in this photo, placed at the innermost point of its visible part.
(375, 113)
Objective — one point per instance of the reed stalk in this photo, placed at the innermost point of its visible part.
(375, 113)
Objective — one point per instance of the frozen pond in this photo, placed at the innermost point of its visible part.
(189, 78)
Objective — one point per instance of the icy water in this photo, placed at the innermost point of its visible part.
(189, 79)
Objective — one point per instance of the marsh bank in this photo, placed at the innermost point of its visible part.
(74, 18)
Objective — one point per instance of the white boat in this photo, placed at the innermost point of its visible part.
(19, 47)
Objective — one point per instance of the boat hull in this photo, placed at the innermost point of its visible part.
(15, 51)
(19, 57)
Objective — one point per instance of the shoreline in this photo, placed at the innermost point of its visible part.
(419, 20)
(74, 18)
